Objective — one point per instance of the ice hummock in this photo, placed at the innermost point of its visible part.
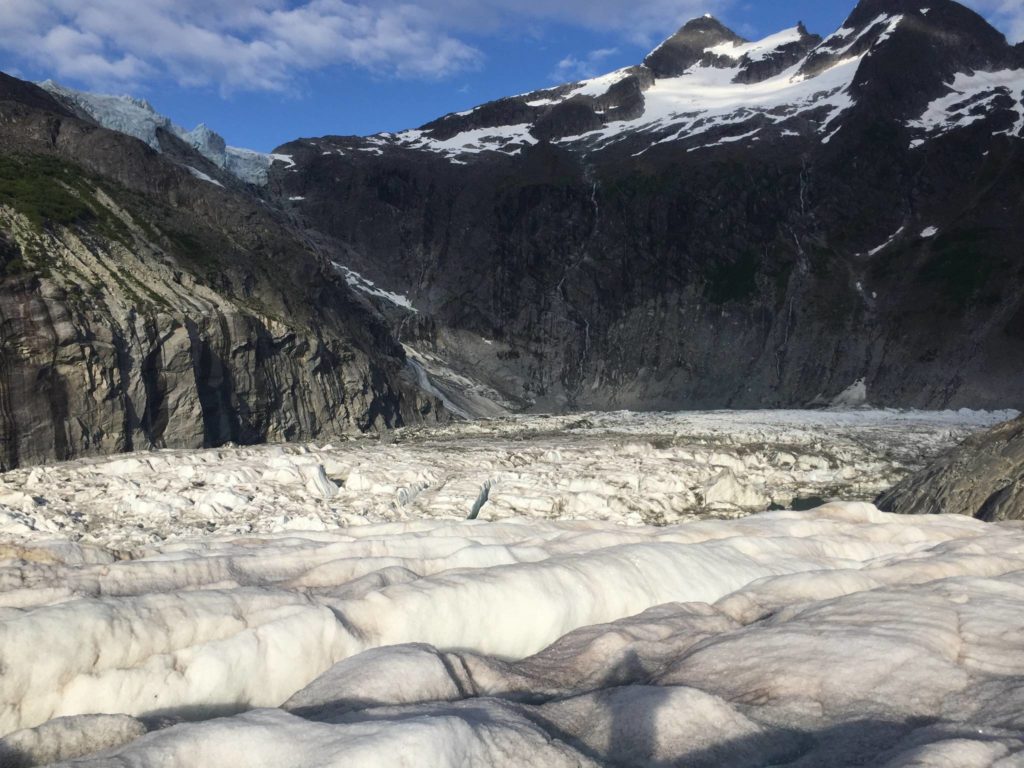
(839, 636)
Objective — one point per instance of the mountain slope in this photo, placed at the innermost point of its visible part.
(142, 306)
(738, 224)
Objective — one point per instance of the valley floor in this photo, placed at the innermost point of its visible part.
(614, 601)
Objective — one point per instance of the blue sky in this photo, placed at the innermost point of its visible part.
(262, 72)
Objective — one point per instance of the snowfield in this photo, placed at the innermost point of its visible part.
(275, 631)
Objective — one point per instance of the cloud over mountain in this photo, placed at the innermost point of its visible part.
(264, 45)
(261, 45)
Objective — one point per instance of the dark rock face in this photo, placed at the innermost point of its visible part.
(984, 478)
(701, 269)
(141, 307)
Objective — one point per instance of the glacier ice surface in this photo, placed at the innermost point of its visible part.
(138, 118)
(834, 636)
(628, 468)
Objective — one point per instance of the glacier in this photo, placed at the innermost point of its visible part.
(138, 118)
(332, 605)
(627, 468)
(836, 636)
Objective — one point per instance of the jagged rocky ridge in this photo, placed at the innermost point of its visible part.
(984, 477)
(142, 306)
(727, 224)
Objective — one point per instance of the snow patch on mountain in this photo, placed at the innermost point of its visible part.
(360, 283)
(597, 86)
(138, 118)
(707, 98)
(974, 97)
(761, 49)
(202, 176)
(878, 249)
(842, 41)
(288, 160)
(508, 139)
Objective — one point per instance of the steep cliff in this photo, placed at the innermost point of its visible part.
(144, 304)
(732, 223)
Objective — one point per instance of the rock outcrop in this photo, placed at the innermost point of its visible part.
(142, 305)
(984, 477)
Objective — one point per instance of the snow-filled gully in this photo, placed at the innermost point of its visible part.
(835, 636)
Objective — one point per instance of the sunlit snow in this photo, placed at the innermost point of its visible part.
(710, 98)
(509, 139)
(972, 98)
(756, 51)
(360, 283)
(705, 97)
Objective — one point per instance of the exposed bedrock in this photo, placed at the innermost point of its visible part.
(72, 384)
(144, 306)
(694, 284)
(983, 477)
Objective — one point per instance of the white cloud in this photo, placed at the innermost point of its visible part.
(572, 68)
(82, 57)
(267, 44)
(1008, 15)
(257, 45)
(639, 21)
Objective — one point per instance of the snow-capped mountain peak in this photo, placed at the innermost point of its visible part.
(706, 86)
(694, 42)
